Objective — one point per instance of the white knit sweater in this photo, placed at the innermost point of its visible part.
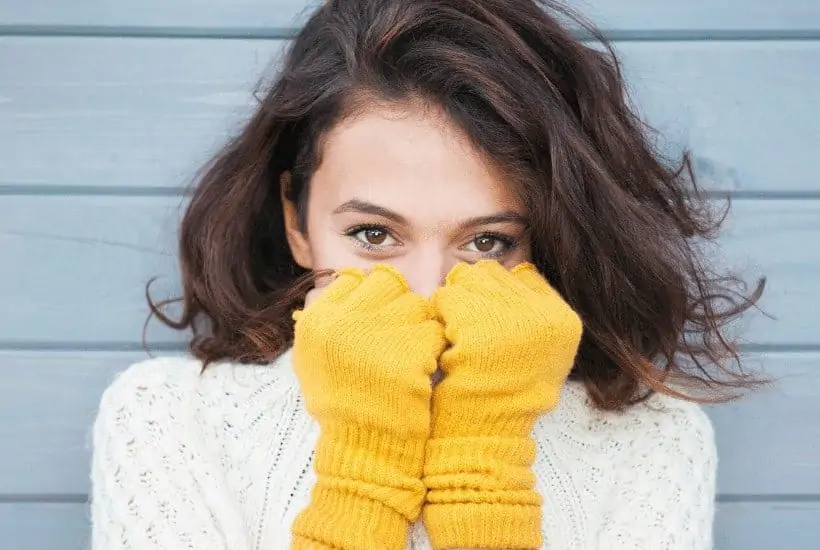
(222, 461)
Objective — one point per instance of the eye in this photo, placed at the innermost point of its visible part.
(485, 243)
(371, 236)
(490, 244)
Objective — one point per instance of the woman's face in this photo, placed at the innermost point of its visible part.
(404, 187)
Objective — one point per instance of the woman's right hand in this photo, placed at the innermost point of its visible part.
(364, 351)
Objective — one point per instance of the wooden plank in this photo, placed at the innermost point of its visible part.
(737, 105)
(44, 526)
(75, 267)
(53, 399)
(262, 14)
(766, 446)
(174, 14)
(700, 15)
(767, 525)
(109, 112)
(145, 113)
(739, 526)
(772, 238)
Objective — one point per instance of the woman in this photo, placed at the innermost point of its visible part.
(468, 195)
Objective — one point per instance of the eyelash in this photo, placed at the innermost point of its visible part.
(351, 233)
(507, 242)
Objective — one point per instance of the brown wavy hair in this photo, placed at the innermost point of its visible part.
(617, 228)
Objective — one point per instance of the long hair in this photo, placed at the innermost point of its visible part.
(616, 228)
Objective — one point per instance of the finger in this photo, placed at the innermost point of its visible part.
(321, 280)
(337, 286)
(433, 333)
(422, 345)
(461, 273)
(481, 273)
(486, 278)
(312, 294)
(524, 267)
(461, 294)
(383, 284)
(561, 313)
(529, 275)
(410, 308)
(456, 303)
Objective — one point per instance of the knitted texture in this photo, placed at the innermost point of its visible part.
(513, 343)
(364, 353)
(223, 460)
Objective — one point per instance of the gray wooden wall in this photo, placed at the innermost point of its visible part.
(106, 108)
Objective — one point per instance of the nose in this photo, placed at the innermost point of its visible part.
(425, 270)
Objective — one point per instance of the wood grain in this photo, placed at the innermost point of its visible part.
(739, 526)
(107, 109)
(767, 525)
(265, 14)
(766, 447)
(128, 113)
(75, 267)
(44, 526)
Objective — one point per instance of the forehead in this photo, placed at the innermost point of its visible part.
(412, 160)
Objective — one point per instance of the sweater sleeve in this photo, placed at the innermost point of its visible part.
(664, 495)
(152, 485)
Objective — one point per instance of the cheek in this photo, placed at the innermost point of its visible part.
(424, 265)
(334, 251)
(329, 249)
(522, 254)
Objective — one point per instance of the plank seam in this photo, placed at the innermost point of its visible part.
(79, 498)
(43, 190)
(283, 33)
(50, 190)
(124, 346)
(162, 347)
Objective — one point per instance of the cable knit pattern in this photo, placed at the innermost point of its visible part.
(222, 461)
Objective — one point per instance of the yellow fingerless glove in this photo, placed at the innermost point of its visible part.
(513, 343)
(364, 352)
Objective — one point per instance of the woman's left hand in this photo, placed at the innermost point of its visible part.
(513, 341)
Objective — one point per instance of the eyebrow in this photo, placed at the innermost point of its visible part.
(501, 217)
(364, 207)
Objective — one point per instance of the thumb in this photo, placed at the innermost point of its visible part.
(321, 280)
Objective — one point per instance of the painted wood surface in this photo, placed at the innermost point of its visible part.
(44, 526)
(75, 267)
(263, 15)
(108, 108)
(52, 440)
(740, 526)
(764, 448)
(105, 113)
(765, 445)
(764, 454)
(767, 525)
